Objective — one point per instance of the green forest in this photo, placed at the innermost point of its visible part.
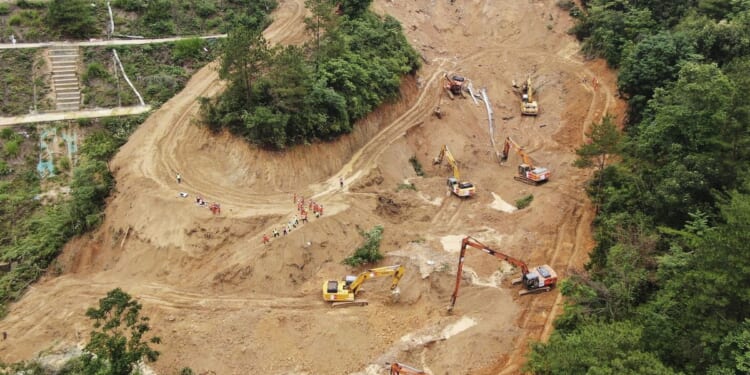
(665, 291)
(282, 96)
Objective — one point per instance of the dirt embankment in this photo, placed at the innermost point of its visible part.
(226, 303)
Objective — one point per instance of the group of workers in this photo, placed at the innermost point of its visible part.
(316, 208)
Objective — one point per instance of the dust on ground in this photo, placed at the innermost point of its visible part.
(224, 302)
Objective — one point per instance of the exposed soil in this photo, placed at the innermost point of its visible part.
(224, 302)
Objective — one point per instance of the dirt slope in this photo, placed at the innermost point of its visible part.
(223, 302)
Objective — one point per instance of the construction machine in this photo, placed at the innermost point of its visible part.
(529, 106)
(402, 369)
(454, 85)
(539, 279)
(527, 172)
(343, 292)
(460, 188)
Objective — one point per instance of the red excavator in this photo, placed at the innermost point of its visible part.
(402, 369)
(454, 85)
(527, 172)
(540, 279)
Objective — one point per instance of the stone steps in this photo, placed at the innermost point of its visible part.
(65, 77)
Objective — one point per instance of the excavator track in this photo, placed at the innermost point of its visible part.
(534, 291)
(349, 303)
(526, 180)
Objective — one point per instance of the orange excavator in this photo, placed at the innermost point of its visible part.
(527, 172)
(539, 279)
(402, 369)
(454, 85)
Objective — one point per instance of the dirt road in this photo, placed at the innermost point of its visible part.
(224, 302)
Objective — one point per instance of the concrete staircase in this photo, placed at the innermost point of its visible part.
(65, 77)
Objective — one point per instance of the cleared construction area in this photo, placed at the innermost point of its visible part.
(222, 300)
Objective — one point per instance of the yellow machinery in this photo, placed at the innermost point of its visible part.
(529, 107)
(460, 188)
(527, 172)
(343, 293)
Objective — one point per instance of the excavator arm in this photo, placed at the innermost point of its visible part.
(397, 271)
(445, 153)
(402, 369)
(529, 89)
(519, 150)
(471, 242)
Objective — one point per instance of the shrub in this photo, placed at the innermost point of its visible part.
(26, 4)
(406, 187)
(205, 9)
(416, 165)
(369, 252)
(14, 20)
(63, 164)
(72, 18)
(4, 9)
(524, 202)
(130, 5)
(6, 133)
(11, 148)
(188, 49)
(95, 70)
(5, 169)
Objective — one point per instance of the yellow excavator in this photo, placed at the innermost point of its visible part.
(527, 172)
(529, 106)
(463, 189)
(343, 292)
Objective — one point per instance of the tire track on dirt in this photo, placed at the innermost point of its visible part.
(166, 147)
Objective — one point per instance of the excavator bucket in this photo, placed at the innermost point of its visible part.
(395, 295)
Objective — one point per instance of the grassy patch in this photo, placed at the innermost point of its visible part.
(524, 202)
(157, 71)
(406, 187)
(18, 67)
(27, 20)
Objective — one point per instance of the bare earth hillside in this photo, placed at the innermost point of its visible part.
(224, 303)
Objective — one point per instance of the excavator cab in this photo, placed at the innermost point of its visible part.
(536, 174)
(463, 189)
(457, 84)
(539, 279)
(454, 85)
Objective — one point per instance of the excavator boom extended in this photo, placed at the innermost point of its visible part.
(343, 292)
(402, 369)
(460, 188)
(539, 279)
(527, 172)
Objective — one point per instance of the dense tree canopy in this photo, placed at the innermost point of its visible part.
(665, 291)
(289, 95)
